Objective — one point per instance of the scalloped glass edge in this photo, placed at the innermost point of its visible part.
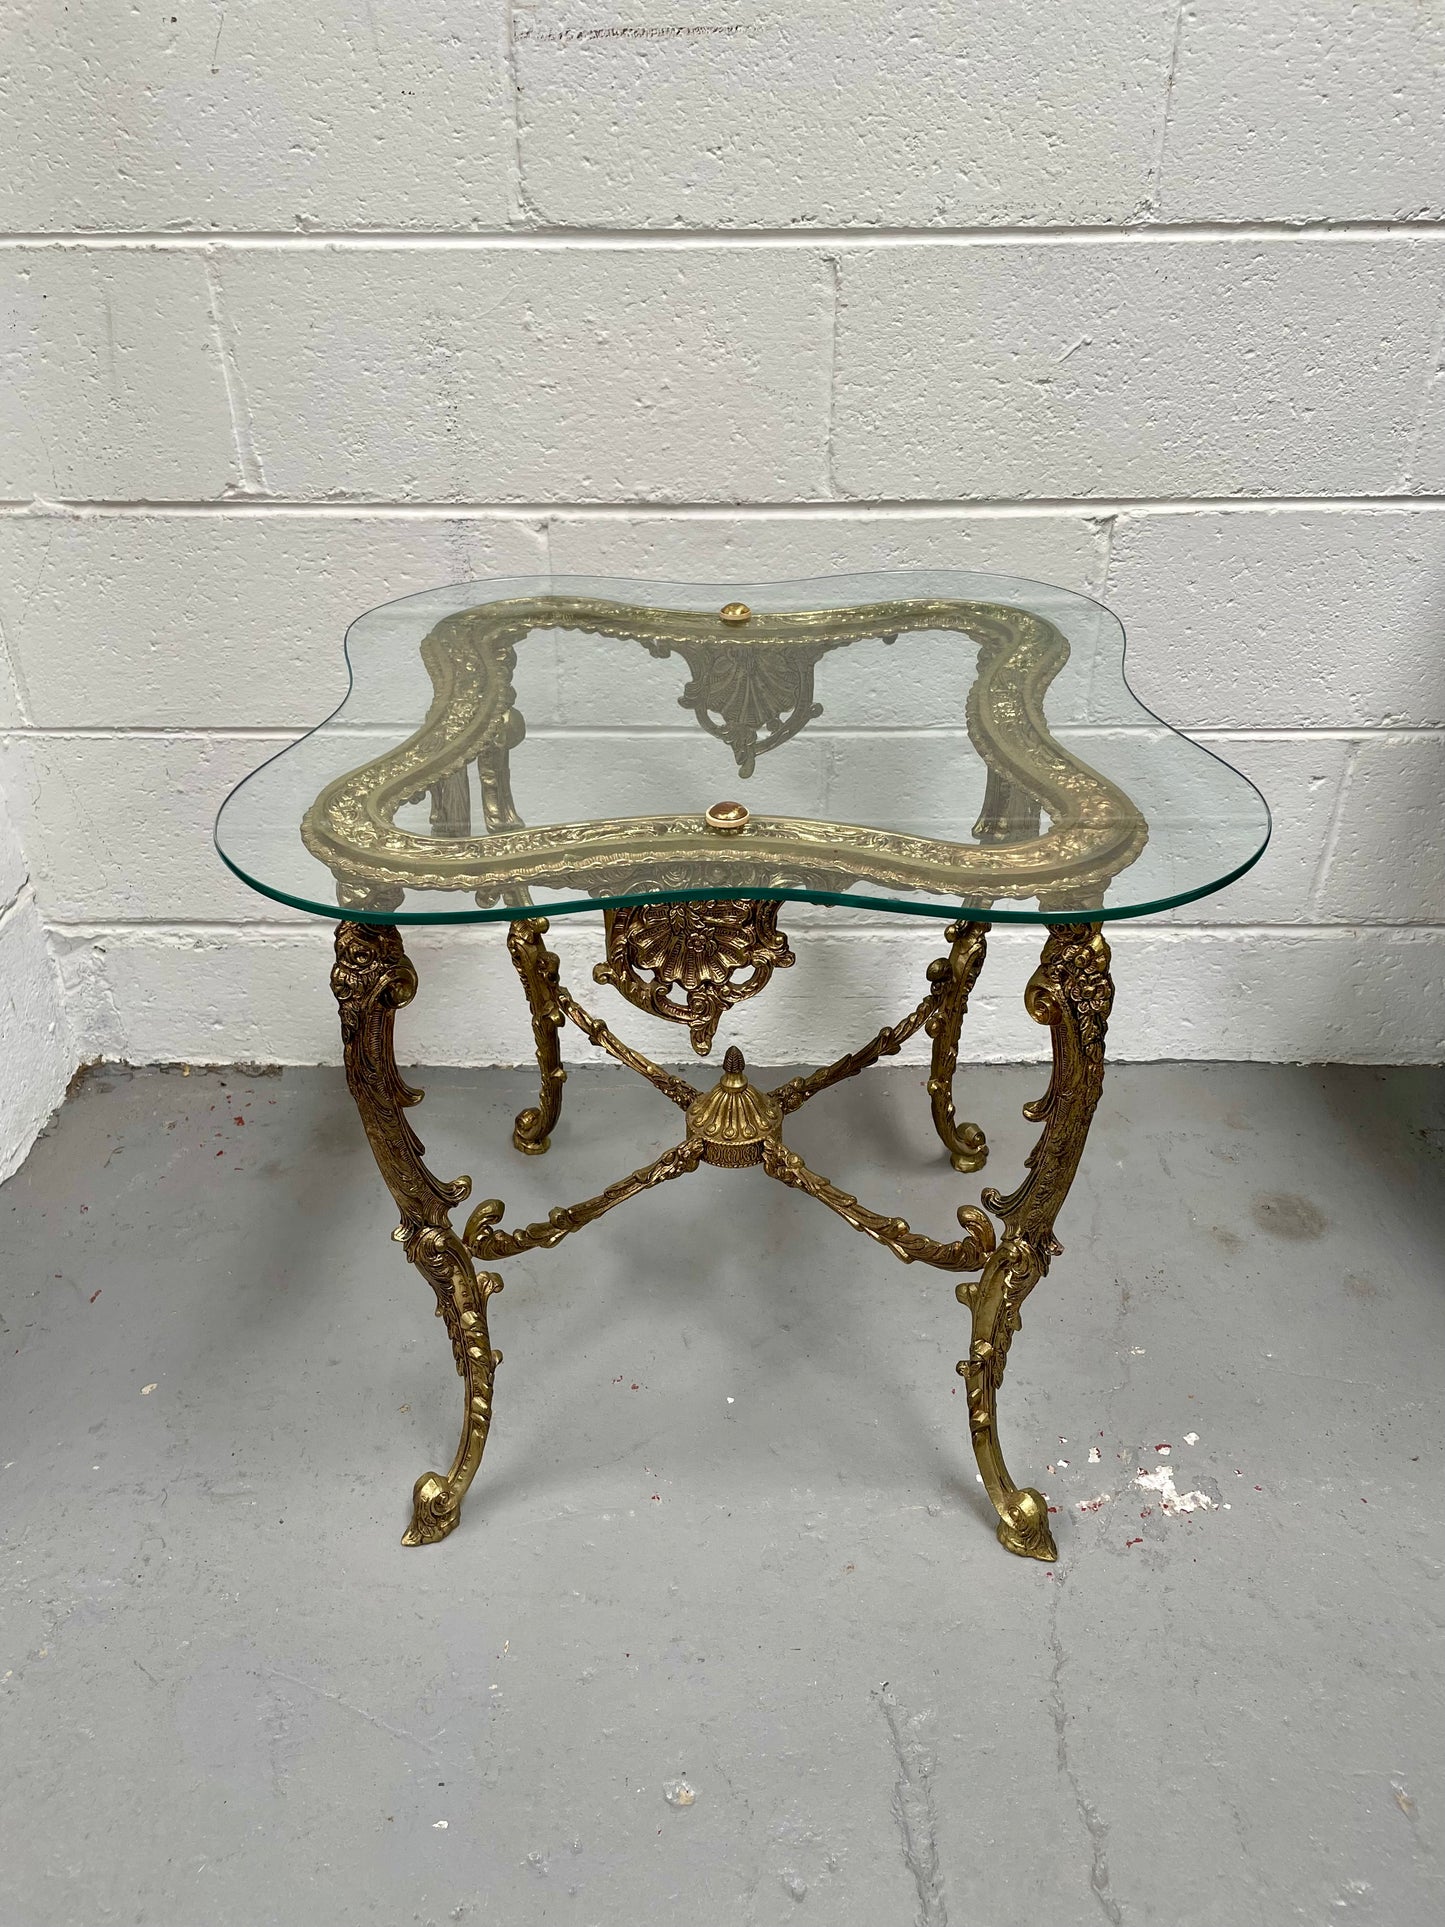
(841, 899)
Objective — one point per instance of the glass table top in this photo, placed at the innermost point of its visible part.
(942, 743)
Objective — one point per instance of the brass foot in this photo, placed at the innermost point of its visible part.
(524, 1134)
(974, 1154)
(436, 1510)
(1023, 1527)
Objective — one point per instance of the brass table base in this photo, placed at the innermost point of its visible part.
(693, 954)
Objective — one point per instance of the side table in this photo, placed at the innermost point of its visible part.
(962, 747)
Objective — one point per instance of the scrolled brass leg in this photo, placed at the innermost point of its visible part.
(953, 978)
(436, 1500)
(372, 979)
(538, 969)
(1072, 992)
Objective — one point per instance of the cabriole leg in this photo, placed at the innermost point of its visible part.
(1071, 992)
(538, 969)
(372, 979)
(953, 977)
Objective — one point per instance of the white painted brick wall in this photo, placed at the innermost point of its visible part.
(260, 116)
(37, 1051)
(1325, 110)
(838, 114)
(537, 375)
(1034, 369)
(305, 309)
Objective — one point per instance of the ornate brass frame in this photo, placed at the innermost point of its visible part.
(734, 1124)
(752, 689)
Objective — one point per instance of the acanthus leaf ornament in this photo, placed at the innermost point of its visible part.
(750, 699)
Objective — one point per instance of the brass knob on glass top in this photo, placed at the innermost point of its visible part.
(735, 614)
(727, 819)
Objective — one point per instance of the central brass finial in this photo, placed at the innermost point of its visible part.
(735, 613)
(734, 1119)
(727, 819)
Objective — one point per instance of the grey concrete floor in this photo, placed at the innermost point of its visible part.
(728, 1530)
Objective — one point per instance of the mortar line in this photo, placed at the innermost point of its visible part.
(933, 508)
(549, 235)
(10, 646)
(1332, 834)
(1107, 525)
(248, 462)
(835, 281)
(1155, 193)
(1104, 536)
(26, 899)
(520, 208)
(1434, 379)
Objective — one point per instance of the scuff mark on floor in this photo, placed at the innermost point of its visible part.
(1171, 1500)
(373, 1719)
(913, 1809)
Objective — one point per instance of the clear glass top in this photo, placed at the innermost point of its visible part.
(942, 743)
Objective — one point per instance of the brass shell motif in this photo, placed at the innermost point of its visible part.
(683, 961)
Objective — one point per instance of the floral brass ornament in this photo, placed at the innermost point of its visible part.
(691, 961)
(681, 960)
